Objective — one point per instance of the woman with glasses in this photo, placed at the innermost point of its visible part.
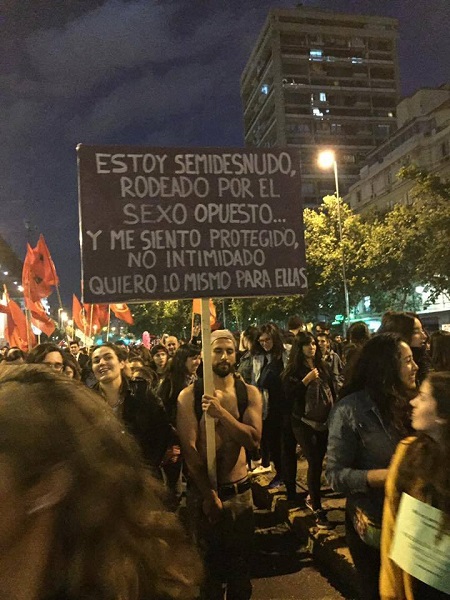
(48, 354)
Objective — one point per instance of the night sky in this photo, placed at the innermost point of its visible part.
(142, 72)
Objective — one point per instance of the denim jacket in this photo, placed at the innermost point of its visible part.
(358, 441)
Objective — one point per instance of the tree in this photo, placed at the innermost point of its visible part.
(163, 316)
(431, 204)
(324, 255)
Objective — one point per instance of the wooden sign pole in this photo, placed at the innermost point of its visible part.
(208, 389)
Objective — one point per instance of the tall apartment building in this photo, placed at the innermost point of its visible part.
(318, 79)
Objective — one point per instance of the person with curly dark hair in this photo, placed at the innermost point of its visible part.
(48, 354)
(81, 516)
(365, 427)
(419, 468)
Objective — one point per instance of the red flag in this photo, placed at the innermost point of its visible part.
(39, 317)
(17, 331)
(197, 309)
(34, 286)
(102, 314)
(43, 264)
(78, 316)
(122, 312)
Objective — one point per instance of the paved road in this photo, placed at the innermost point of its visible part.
(283, 568)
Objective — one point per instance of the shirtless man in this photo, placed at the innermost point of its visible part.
(222, 520)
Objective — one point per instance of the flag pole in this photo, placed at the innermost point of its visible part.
(109, 322)
(208, 389)
(91, 317)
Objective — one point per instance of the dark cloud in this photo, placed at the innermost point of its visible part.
(141, 72)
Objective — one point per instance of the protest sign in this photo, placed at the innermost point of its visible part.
(420, 546)
(160, 223)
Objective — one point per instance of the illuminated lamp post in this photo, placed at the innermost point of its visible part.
(326, 160)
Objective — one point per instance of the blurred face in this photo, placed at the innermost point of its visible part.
(309, 350)
(408, 368)
(54, 361)
(160, 359)
(74, 349)
(223, 357)
(418, 337)
(172, 345)
(324, 344)
(106, 365)
(135, 366)
(69, 372)
(192, 364)
(266, 342)
(424, 414)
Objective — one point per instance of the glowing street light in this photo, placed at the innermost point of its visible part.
(326, 160)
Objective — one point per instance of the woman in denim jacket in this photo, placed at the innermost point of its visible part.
(364, 430)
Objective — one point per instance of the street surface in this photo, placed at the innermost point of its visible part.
(283, 567)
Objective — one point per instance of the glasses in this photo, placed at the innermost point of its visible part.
(54, 366)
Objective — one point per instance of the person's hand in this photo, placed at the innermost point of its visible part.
(211, 405)
(196, 331)
(212, 507)
(312, 376)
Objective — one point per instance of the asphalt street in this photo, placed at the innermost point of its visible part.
(283, 568)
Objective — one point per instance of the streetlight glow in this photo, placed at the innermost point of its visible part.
(326, 159)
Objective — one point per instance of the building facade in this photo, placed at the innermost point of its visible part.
(422, 139)
(318, 79)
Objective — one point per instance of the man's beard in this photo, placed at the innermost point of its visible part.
(223, 369)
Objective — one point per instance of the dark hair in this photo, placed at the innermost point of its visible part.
(252, 334)
(39, 352)
(111, 511)
(427, 460)
(295, 322)
(71, 362)
(72, 342)
(440, 350)
(398, 322)
(358, 333)
(14, 353)
(272, 330)
(118, 350)
(297, 360)
(158, 348)
(174, 379)
(377, 370)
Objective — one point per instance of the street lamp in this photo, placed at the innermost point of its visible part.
(326, 160)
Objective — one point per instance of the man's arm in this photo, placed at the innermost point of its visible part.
(187, 428)
(247, 433)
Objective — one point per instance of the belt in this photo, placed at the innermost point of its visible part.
(233, 489)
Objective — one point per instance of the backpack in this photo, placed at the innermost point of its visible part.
(318, 401)
(241, 395)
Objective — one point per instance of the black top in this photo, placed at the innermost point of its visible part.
(145, 418)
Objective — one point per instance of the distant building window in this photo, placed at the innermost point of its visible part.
(356, 60)
(265, 89)
(336, 128)
(307, 189)
(322, 97)
(315, 54)
(317, 112)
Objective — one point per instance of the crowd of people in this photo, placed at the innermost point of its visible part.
(372, 408)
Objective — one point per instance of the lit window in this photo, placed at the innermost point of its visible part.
(322, 97)
(315, 54)
(265, 89)
(356, 60)
(317, 112)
